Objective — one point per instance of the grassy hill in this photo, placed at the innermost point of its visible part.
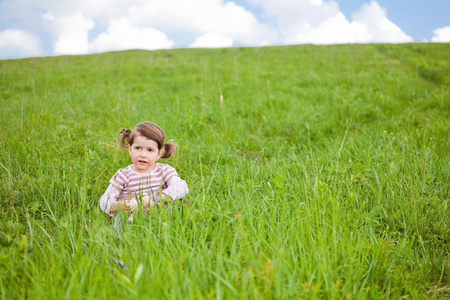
(314, 172)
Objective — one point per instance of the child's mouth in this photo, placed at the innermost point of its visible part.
(142, 162)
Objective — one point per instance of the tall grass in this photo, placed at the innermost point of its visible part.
(314, 172)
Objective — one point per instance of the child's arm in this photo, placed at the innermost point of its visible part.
(147, 201)
(176, 188)
(109, 203)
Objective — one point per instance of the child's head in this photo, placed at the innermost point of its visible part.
(149, 130)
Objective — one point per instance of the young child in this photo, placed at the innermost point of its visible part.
(145, 178)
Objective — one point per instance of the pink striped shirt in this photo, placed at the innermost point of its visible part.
(127, 184)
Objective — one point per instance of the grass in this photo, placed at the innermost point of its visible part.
(322, 173)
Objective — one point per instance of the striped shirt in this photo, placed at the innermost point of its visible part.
(127, 184)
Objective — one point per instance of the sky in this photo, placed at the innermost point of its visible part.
(30, 28)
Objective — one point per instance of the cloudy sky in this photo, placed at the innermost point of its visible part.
(57, 27)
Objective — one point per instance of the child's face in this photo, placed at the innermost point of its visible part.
(144, 154)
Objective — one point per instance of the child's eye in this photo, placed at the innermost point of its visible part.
(138, 148)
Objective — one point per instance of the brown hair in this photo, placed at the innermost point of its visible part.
(152, 132)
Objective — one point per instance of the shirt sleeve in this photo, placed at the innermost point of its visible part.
(176, 187)
(111, 195)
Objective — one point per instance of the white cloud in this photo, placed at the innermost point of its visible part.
(201, 17)
(122, 35)
(147, 24)
(289, 17)
(212, 40)
(380, 28)
(188, 18)
(18, 43)
(319, 22)
(264, 43)
(99, 10)
(335, 30)
(441, 35)
(71, 31)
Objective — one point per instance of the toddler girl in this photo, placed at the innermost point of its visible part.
(144, 179)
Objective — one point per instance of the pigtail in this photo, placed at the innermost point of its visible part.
(123, 137)
(169, 150)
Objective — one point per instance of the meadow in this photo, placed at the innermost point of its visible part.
(317, 172)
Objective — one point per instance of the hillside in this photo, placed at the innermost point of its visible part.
(314, 171)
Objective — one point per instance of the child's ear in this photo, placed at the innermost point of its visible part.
(129, 149)
(160, 153)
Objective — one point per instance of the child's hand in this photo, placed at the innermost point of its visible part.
(133, 205)
(148, 201)
(145, 200)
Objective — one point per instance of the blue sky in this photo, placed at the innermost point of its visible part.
(57, 27)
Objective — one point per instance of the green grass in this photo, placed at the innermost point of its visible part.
(323, 174)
